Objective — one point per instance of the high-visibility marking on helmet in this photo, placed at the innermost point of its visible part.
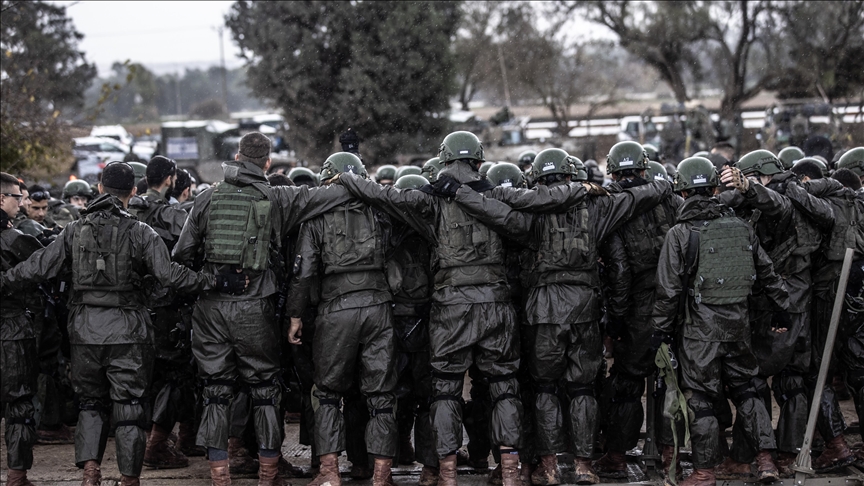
(625, 162)
(463, 152)
(699, 179)
(548, 166)
(350, 168)
(506, 183)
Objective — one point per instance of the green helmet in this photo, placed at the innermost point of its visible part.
(77, 188)
(485, 166)
(526, 157)
(406, 170)
(579, 169)
(140, 170)
(656, 171)
(652, 152)
(410, 181)
(385, 172)
(505, 174)
(301, 172)
(816, 161)
(789, 155)
(760, 162)
(431, 169)
(626, 156)
(551, 161)
(460, 145)
(853, 159)
(341, 162)
(695, 172)
(702, 153)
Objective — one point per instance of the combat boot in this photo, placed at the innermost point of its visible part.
(731, 469)
(383, 474)
(613, 464)
(360, 471)
(700, 477)
(219, 473)
(17, 477)
(160, 454)
(288, 470)
(447, 471)
(584, 472)
(328, 471)
(92, 474)
(525, 472)
(667, 454)
(129, 481)
(835, 455)
(239, 459)
(268, 471)
(510, 469)
(547, 471)
(784, 463)
(428, 476)
(186, 441)
(406, 449)
(766, 470)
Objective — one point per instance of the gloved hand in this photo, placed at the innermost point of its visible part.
(595, 189)
(659, 338)
(445, 186)
(232, 283)
(733, 177)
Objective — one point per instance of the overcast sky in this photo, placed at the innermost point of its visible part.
(164, 36)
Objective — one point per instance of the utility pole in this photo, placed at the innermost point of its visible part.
(177, 93)
(504, 76)
(220, 30)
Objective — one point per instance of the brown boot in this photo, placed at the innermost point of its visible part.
(383, 474)
(129, 481)
(61, 435)
(495, 476)
(667, 454)
(268, 471)
(447, 471)
(428, 476)
(835, 455)
(406, 449)
(731, 469)
(766, 470)
(160, 454)
(525, 472)
(186, 441)
(17, 477)
(288, 470)
(510, 468)
(239, 459)
(584, 472)
(92, 474)
(220, 474)
(547, 471)
(700, 477)
(360, 471)
(328, 472)
(613, 464)
(784, 463)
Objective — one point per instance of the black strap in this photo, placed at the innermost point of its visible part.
(792, 393)
(329, 401)
(505, 396)
(21, 421)
(132, 401)
(500, 378)
(217, 401)
(708, 412)
(438, 398)
(550, 389)
(627, 399)
(742, 397)
(448, 376)
(379, 411)
(689, 263)
(579, 390)
(128, 423)
(264, 402)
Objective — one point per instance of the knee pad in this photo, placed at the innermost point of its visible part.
(264, 393)
(744, 392)
(700, 405)
(21, 412)
(381, 404)
(132, 412)
(788, 385)
(575, 390)
(546, 387)
(447, 386)
(855, 379)
(502, 387)
(218, 392)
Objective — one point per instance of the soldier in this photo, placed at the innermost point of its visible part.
(431, 169)
(301, 176)
(354, 324)
(77, 193)
(526, 159)
(239, 224)
(562, 306)
(852, 159)
(109, 253)
(780, 340)
(713, 345)
(471, 319)
(181, 195)
(18, 354)
(385, 175)
(642, 236)
(789, 155)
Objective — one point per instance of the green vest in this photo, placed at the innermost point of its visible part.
(239, 226)
(468, 251)
(103, 262)
(144, 209)
(567, 252)
(644, 235)
(351, 242)
(847, 229)
(725, 271)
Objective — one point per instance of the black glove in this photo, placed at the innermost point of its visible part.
(231, 283)
(446, 186)
(659, 338)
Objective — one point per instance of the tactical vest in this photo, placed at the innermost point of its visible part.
(468, 251)
(847, 229)
(644, 236)
(568, 252)
(104, 263)
(725, 271)
(239, 226)
(142, 208)
(351, 242)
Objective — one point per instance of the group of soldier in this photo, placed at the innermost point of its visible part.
(369, 301)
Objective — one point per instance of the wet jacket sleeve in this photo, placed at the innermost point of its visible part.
(772, 284)
(503, 219)
(306, 261)
(170, 274)
(614, 210)
(415, 208)
(818, 210)
(43, 264)
(670, 273)
(617, 276)
(770, 202)
(302, 203)
(192, 236)
(542, 199)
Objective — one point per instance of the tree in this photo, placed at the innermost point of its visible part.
(383, 68)
(43, 75)
(473, 48)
